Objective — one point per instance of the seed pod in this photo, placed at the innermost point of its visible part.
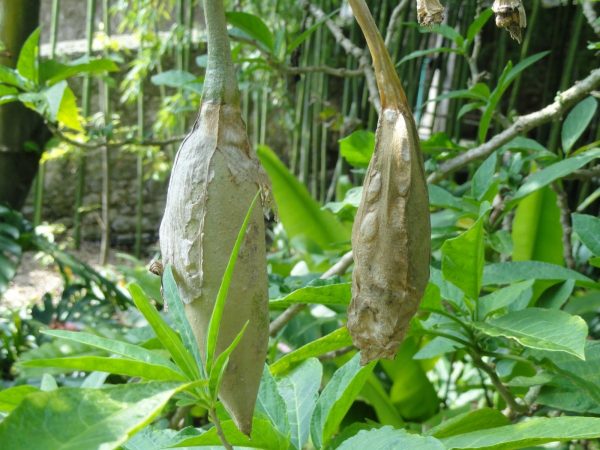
(510, 14)
(430, 12)
(214, 180)
(391, 237)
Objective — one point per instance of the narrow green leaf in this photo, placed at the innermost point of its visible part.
(587, 229)
(118, 366)
(512, 272)
(429, 51)
(338, 294)
(298, 40)
(333, 341)
(503, 297)
(577, 121)
(544, 177)
(479, 419)
(300, 214)
(299, 390)
(84, 419)
(463, 259)
(217, 370)
(10, 77)
(536, 431)
(543, 329)
(27, 64)
(336, 399)
(375, 394)
(270, 403)
(478, 24)
(390, 438)
(484, 177)
(217, 314)
(169, 338)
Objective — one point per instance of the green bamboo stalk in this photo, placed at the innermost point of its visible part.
(139, 173)
(105, 154)
(86, 102)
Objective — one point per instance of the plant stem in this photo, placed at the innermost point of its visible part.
(215, 419)
(106, 166)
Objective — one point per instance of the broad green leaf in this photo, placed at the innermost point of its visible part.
(177, 313)
(483, 177)
(376, 395)
(68, 113)
(10, 77)
(27, 64)
(173, 78)
(271, 404)
(478, 24)
(463, 259)
(556, 296)
(254, 27)
(336, 399)
(388, 438)
(577, 121)
(214, 323)
(544, 177)
(53, 71)
(332, 294)
(512, 272)
(587, 229)
(299, 390)
(84, 419)
(503, 297)
(154, 438)
(333, 341)
(300, 214)
(538, 328)
(12, 397)
(169, 338)
(436, 347)
(479, 419)
(358, 147)
(54, 96)
(119, 366)
(129, 351)
(537, 231)
(536, 431)
(264, 436)
(441, 198)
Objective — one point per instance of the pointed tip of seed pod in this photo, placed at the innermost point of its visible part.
(373, 353)
(510, 15)
(243, 423)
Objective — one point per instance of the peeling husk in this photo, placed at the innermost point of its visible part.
(391, 236)
(510, 15)
(430, 12)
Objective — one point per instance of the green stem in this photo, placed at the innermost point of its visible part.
(220, 83)
(106, 166)
(215, 419)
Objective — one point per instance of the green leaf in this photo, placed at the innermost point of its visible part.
(129, 351)
(376, 395)
(537, 232)
(177, 313)
(478, 24)
(119, 366)
(511, 272)
(447, 31)
(217, 369)
(298, 40)
(504, 297)
(479, 419)
(270, 403)
(358, 147)
(338, 294)
(53, 71)
(27, 64)
(536, 431)
(299, 390)
(10, 77)
(390, 438)
(333, 341)
(54, 96)
(167, 336)
(544, 177)
(484, 177)
(264, 436)
(336, 399)
(577, 121)
(428, 51)
(543, 329)
(173, 78)
(214, 323)
(436, 347)
(12, 397)
(84, 419)
(254, 27)
(463, 259)
(300, 214)
(587, 229)
(68, 113)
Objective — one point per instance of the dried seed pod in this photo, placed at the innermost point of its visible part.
(214, 180)
(391, 237)
(430, 12)
(510, 14)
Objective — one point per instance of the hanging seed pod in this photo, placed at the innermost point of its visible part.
(430, 12)
(510, 14)
(391, 237)
(214, 180)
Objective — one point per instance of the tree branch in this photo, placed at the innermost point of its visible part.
(339, 268)
(522, 124)
(565, 221)
(391, 28)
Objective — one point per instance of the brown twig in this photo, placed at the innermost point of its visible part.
(565, 220)
(282, 320)
(522, 124)
(391, 28)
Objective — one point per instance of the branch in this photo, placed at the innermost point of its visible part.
(565, 220)
(590, 14)
(339, 268)
(350, 48)
(333, 71)
(522, 124)
(215, 419)
(391, 28)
